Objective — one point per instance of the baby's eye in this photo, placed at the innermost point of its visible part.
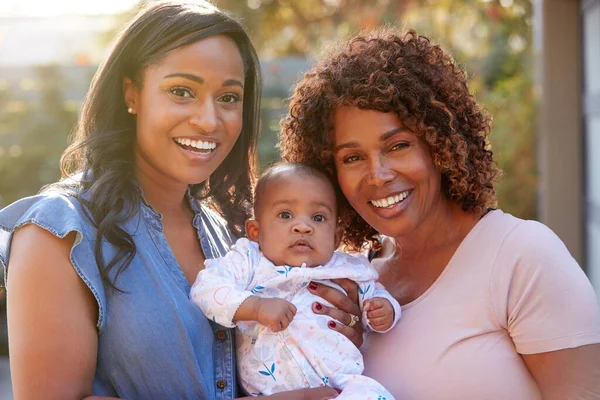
(285, 215)
(181, 92)
(319, 218)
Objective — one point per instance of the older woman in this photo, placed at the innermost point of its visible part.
(494, 307)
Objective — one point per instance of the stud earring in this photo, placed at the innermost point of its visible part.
(130, 110)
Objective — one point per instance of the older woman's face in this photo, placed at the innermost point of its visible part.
(384, 170)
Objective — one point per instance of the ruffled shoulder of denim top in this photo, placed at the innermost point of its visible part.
(60, 213)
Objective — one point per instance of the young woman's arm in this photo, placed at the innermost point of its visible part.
(51, 319)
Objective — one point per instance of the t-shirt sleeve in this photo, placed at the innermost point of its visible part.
(60, 215)
(540, 294)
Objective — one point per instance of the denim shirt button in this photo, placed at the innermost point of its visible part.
(221, 384)
(221, 335)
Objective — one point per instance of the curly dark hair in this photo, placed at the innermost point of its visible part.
(414, 78)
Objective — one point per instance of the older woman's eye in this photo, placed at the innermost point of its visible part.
(350, 159)
(285, 215)
(181, 92)
(399, 146)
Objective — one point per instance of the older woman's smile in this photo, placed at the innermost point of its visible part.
(390, 201)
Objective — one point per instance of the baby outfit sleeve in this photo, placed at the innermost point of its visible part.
(221, 287)
(540, 294)
(60, 214)
(371, 289)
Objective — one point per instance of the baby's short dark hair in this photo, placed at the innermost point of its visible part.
(281, 169)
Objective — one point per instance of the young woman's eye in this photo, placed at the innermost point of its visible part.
(318, 218)
(285, 215)
(181, 92)
(350, 159)
(229, 98)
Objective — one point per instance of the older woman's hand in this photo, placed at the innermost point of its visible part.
(320, 393)
(345, 310)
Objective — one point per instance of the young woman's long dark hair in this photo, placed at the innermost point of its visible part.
(103, 146)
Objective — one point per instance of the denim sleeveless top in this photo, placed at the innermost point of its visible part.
(153, 342)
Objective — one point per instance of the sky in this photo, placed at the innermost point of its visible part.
(44, 8)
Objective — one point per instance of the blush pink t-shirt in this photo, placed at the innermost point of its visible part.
(511, 288)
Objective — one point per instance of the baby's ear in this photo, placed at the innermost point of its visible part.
(339, 234)
(252, 230)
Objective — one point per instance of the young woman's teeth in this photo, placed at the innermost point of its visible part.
(198, 144)
(390, 201)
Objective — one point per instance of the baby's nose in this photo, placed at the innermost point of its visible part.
(302, 228)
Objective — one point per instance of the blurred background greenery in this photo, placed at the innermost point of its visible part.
(491, 39)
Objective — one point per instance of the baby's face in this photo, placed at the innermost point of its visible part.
(297, 221)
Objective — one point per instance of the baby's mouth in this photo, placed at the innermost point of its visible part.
(301, 244)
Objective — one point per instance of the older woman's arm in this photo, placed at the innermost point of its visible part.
(567, 374)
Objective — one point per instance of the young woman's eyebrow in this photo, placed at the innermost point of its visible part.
(200, 80)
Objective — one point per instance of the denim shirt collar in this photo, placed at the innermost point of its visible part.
(154, 218)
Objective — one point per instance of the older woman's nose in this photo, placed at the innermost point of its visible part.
(380, 174)
(205, 117)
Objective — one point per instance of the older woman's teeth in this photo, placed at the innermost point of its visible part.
(390, 201)
(198, 144)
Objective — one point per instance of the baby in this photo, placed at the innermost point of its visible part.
(260, 286)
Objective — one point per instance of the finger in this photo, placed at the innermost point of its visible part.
(354, 335)
(380, 321)
(375, 303)
(339, 315)
(290, 316)
(335, 297)
(350, 287)
(380, 312)
(293, 308)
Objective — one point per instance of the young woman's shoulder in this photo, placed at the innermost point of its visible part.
(58, 212)
(55, 210)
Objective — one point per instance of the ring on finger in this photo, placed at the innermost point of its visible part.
(353, 320)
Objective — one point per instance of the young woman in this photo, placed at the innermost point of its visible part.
(99, 265)
(493, 307)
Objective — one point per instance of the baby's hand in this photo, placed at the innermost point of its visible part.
(274, 313)
(380, 313)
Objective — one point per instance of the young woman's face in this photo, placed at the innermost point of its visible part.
(384, 170)
(188, 110)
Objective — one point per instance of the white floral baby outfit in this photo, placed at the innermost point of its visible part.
(307, 353)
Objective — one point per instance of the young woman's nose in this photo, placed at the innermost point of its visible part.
(205, 116)
(302, 227)
(379, 172)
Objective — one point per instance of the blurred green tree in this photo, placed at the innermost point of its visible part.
(34, 134)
